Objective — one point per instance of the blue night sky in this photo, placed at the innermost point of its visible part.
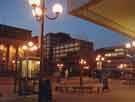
(18, 13)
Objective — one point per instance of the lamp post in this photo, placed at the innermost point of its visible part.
(82, 62)
(40, 12)
(60, 69)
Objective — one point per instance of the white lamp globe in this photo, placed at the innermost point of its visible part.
(57, 8)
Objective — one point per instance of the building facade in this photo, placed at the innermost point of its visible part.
(117, 57)
(11, 38)
(62, 48)
(14, 63)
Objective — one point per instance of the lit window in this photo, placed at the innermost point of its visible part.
(66, 50)
(71, 45)
(119, 49)
(57, 51)
(77, 48)
(108, 55)
(71, 49)
(2, 47)
(76, 44)
(61, 47)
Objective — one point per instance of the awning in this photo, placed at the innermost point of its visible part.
(118, 15)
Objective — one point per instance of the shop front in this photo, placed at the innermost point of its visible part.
(27, 76)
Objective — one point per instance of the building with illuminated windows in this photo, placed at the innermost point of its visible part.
(62, 48)
(11, 51)
(11, 38)
(19, 59)
(117, 57)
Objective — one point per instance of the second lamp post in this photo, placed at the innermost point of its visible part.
(82, 62)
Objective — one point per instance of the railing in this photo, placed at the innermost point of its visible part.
(7, 72)
(32, 98)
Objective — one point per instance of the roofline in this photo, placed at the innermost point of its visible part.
(14, 27)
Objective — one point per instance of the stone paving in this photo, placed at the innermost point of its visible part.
(117, 93)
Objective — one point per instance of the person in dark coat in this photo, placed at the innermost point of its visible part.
(105, 83)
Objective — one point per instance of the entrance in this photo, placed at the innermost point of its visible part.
(27, 76)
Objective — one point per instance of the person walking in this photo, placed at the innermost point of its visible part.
(105, 82)
(66, 73)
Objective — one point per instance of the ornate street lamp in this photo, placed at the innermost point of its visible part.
(40, 12)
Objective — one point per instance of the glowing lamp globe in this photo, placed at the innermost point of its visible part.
(133, 43)
(34, 2)
(30, 44)
(57, 8)
(128, 45)
(37, 12)
(24, 47)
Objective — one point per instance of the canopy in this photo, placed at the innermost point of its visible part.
(118, 15)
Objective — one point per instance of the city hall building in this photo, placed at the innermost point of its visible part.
(16, 63)
(11, 40)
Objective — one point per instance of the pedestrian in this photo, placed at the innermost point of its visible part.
(105, 83)
(66, 73)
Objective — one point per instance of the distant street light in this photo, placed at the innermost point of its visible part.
(133, 43)
(40, 12)
(60, 66)
(82, 62)
(100, 60)
(129, 46)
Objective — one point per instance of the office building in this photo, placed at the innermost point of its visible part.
(62, 48)
(117, 57)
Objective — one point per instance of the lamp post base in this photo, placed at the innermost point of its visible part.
(45, 91)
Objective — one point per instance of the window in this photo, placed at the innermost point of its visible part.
(76, 44)
(71, 49)
(66, 46)
(77, 48)
(120, 49)
(71, 45)
(57, 51)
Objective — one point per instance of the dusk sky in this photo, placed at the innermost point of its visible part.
(18, 13)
